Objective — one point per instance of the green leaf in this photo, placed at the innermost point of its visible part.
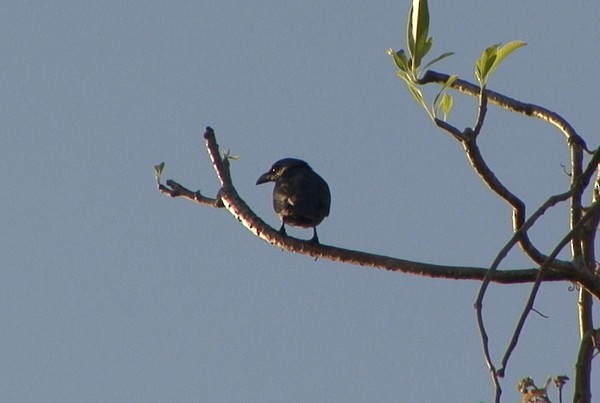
(158, 169)
(418, 29)
(425, 47)
(484, 63)
(420, 21)
(227, 155)
(446, 85)
(441, 100)
(437, 59)
(418, 95)
(491, 58)
(410, 40)
(504, 51)
(446, 105)
(400, 59)
(450, 81)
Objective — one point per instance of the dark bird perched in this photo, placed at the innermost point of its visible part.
(301, 197)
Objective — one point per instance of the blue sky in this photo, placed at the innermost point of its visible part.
(113, 292)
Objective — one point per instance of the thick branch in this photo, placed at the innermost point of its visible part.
(239, 209)
(543, 270)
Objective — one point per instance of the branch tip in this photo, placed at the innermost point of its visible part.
(209, 133)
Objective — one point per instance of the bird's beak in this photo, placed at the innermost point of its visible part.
(264, 178)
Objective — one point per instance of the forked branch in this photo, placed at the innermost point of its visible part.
(231, 200)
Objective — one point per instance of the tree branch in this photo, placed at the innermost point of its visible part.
(493, 268)
(468, 138)
(490, 179)
(543, 270)
(231, 200)
(481, 113)
(174, 189)
(589, 336)
(579, 242)
(508, 103)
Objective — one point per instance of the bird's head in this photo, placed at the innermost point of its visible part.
(280, 168)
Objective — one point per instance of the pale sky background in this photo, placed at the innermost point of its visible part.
(111, 292)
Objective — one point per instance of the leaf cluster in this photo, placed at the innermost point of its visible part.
(418, 45)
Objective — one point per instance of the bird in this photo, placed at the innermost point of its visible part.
(301, 198)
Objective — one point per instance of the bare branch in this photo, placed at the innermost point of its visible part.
(576, 211)
(490, 179)
(229, 197)
(491, 272)
(468, 139)
(592, 168)
(508, 103)
(457, 134)
(501, 255)
(543, 269)
(174, 189)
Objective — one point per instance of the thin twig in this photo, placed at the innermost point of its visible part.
(539, 313)
(490, 179)
(468, 138)
(553, 200)
(481, 113)
(174, 189)
(542, 272)
(492, 271)
(508, 103)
